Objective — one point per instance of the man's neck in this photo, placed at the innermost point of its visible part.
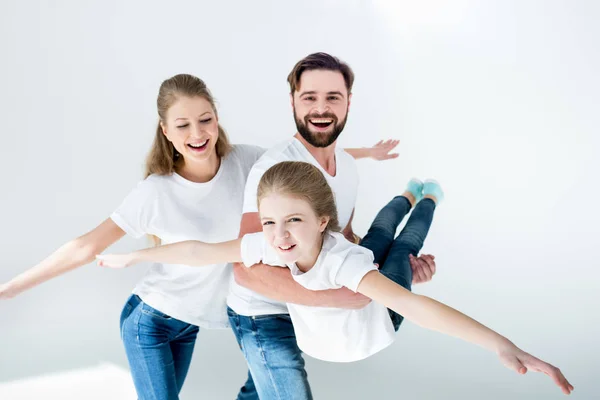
(325, 156)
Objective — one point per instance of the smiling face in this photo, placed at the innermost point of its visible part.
(292, 228)
(321, 103)
(192, 127)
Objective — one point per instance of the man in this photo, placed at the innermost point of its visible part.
(320, 94)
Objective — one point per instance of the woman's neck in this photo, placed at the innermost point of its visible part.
(200, 171)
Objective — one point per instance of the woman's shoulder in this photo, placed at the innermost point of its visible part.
(247, 151)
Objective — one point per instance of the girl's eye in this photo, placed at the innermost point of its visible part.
(182, 126)
(204, 121)
(268, 223)
(295, 220)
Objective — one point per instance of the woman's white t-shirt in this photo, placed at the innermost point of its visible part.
(175, 209)
(330, 334)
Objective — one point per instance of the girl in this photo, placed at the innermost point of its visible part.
(300, 231)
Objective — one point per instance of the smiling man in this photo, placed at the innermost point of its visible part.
(320, 95)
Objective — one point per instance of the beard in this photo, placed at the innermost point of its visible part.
(318, 139)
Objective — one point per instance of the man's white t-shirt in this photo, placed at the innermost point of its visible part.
(176, 209)
(344, 186)
(331, 334)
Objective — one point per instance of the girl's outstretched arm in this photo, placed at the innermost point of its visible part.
(189, 252)
(434, 315)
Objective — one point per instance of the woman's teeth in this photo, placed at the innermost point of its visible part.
(198, 145)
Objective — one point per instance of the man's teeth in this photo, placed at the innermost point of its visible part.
(321, 120)
(198, 145)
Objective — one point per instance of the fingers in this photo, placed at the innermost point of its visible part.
(553, 372)
(417, 267)
(429, 260)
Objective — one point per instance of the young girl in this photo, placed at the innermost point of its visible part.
(300, 231)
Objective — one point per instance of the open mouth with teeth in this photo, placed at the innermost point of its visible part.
(321, 123)
(199, 146)
(286, 248)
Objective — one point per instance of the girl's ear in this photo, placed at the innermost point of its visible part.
(323, 224)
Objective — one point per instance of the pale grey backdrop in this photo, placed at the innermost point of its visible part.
(498, 100)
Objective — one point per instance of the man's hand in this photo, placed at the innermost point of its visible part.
(381, 150)
(423, 268)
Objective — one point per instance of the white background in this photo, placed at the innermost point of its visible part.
(498, 100)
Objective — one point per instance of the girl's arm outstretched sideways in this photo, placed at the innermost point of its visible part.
(189, 252)
(434, 315)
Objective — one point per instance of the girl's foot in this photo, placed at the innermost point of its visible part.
(414, 189)
(433, 190)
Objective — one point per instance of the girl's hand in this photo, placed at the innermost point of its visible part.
(115, 260)
(516, 359)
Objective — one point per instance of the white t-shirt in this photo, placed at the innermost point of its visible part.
(331, 334)
(175, 209)
(344, 186)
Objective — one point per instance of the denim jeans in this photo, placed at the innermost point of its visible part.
(392, 254)
(275, 363)
(159, 350)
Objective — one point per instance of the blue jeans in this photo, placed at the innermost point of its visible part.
(275, 363)
(159, 350)
(392, 254)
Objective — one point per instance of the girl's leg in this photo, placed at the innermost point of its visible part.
(383, 229)
(410, 241)
(148, 335)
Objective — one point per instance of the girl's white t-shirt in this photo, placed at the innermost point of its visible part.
(344, 185)
(330, 334)
(176, 209)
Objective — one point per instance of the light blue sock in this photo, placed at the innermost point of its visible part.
(415, 187)
(433, 188)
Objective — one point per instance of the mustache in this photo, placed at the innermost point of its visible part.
(324, 115)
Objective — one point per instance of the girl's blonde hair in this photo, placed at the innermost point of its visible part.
(163, 159)
(305, 181)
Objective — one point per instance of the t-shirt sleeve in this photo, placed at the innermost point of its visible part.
(354, 267)
(257, 171)
(135, 212)
(248, 155)
(255, 249)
